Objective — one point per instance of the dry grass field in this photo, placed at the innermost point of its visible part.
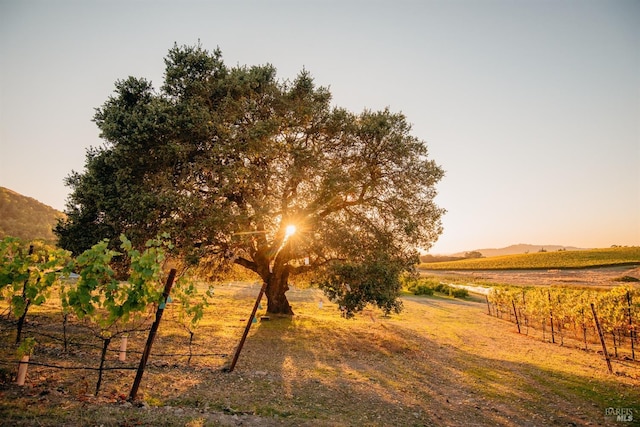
(441, 362)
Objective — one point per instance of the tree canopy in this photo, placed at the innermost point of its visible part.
(226, 158)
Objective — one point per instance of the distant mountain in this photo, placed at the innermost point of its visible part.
(25, 217)
(521, 248)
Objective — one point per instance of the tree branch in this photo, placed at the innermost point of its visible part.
(246, 264)
(344, 205)
(306, 268)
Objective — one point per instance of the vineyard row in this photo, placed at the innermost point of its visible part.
(608, 318)
(108, 306)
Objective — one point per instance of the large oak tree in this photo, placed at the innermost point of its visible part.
(226, 158)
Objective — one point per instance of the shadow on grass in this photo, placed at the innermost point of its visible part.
(305, 371)
(319, 369)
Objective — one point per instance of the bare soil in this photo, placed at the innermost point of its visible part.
(604, 277)
(441, 362)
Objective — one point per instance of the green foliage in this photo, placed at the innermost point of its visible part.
(109, 303)
(28, 271)
(353, 286)
(26, 347)
(14, 262)
(225, 158)
(96, 287)
(458, 292)
(545, 260)
(428, 286)
(420, 289)
(144, 285)
(190, 302)
(418, 285)
(99, 296)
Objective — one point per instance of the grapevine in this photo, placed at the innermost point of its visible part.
(559, 311)
(27, 274)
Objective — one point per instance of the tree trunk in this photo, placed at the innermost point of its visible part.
(274, 271)
(277, 286)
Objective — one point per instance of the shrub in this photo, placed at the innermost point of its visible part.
(458, 292)
(626, 279)
(421, 289)
(443, 288)
(428, 286)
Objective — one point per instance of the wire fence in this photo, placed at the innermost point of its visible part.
(557, 329)
(72, 346)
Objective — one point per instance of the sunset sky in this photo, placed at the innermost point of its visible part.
(531, 107)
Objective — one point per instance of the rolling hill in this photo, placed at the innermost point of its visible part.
(25, 217)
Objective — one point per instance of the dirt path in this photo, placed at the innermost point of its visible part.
(595, 277)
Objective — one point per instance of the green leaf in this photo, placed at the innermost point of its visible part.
(19, 305)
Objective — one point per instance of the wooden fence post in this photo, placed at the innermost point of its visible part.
(152, 334)
(553, 336)
(515, 313)
(632, 332)
(246, 329)
(604, 346)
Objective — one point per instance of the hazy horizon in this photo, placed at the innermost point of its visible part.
(532, 108)
(534, 244)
